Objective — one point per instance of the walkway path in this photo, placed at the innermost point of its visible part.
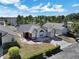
(71, 52)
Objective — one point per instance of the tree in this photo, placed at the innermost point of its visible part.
(20, 20)
(75, 27)
(30, 19)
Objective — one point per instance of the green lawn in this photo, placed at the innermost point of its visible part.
(28, 50)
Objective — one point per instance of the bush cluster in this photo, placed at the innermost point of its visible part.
(11, 44)
(13, 51)
(52, 51)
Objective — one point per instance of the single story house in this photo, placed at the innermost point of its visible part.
(6, 35)
(57, 28)
(31, 31)
(2, 23)
(11, 20)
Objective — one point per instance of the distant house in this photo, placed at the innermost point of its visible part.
(6, 35)
(2, 23)
(57, 28)
(11, 20)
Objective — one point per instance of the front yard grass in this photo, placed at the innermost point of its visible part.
(29, 50)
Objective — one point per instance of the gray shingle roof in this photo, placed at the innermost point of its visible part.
(12, 28)
(6, 29)
(57, 26)
(54, 25)
(27, 27)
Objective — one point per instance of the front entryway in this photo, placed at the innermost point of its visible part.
(0, 39)
(28, 35)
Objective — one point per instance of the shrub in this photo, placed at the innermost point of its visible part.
(52, 51)
(13, 51)
(36, 56)
(10, 44)
(70, 34)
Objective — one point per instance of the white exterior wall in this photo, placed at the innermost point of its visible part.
(12, 20)
(44, 34)
(51, 34)
(37, 34)
(64, 31)
(8, 38)
(34, 35)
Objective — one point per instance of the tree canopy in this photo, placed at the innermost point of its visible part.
(43, 19)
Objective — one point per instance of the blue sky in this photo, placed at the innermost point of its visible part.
(38, 7)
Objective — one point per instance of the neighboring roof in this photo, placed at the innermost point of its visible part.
(6, 29)
(57, 26)
(54, 25)
(12, 28)
(27, 27)
(8, 17)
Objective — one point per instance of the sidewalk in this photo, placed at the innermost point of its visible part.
(71, 52)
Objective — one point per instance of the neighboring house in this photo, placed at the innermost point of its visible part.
(69, 24)
(11, 20)
(2, 23)
(6, 35)
(56, 28)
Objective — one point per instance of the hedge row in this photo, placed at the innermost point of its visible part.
(10, 44)
(52, 51)
(41, 55)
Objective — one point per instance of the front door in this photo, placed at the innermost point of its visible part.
(0, 39)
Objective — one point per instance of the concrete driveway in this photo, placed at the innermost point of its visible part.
(1, 53)
(71, 52)
(62, 43)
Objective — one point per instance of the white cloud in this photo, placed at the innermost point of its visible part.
(21, 7)
(9, 1)
(41, 8)
(54, 8)
(57, 6)
(75, 5)
(37, 7)
(5, 11)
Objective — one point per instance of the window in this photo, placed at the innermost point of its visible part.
(41, 33)
(12, 39)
